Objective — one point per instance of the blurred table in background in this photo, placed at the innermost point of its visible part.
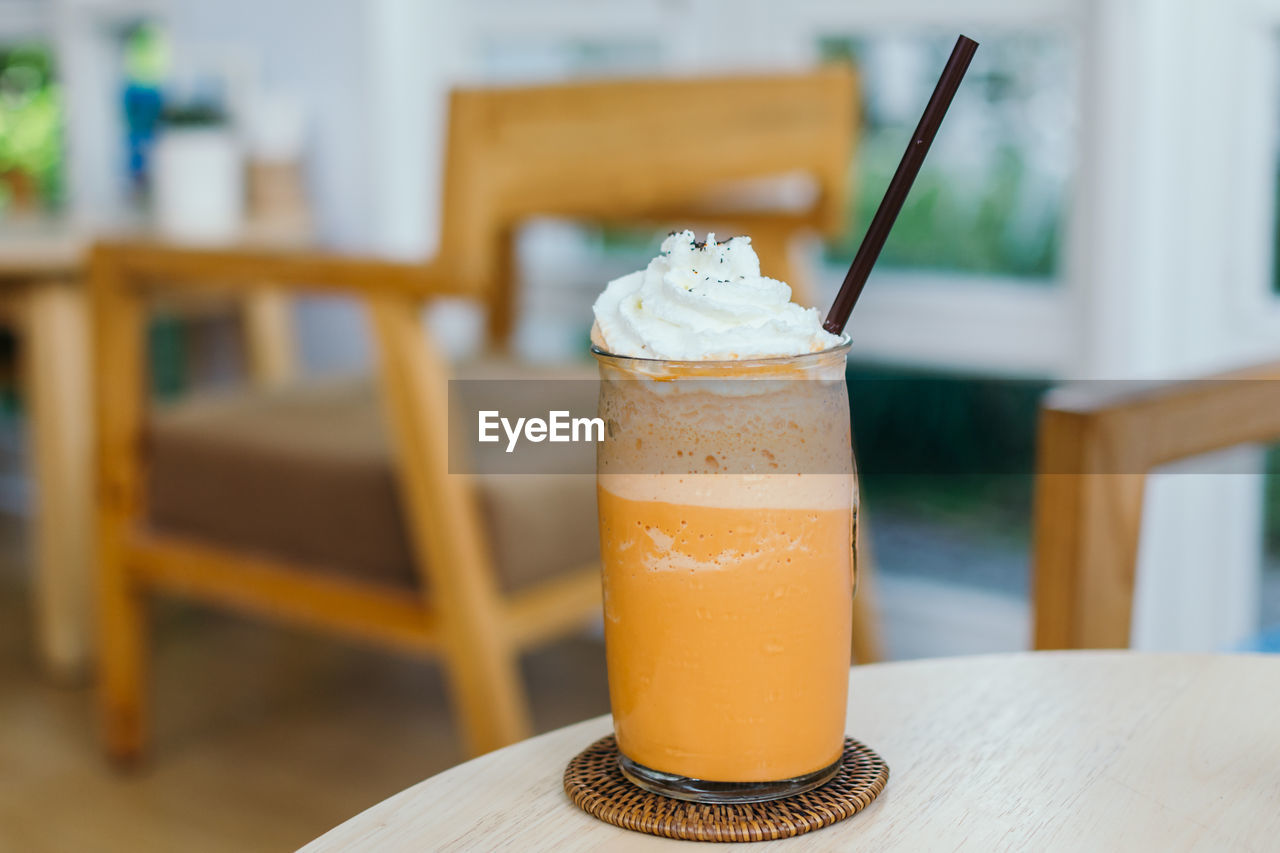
(43, 299)
(1103, 751)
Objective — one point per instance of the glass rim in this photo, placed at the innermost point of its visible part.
(843, 347)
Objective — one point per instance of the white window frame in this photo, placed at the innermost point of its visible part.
(952, 321)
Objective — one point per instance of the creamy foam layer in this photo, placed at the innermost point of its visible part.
(737, 491)
(786, 446)
(785, 427)
(705, 301)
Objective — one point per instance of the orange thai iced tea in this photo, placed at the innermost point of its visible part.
(727, 501)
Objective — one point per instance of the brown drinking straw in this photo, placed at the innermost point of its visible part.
(896, 194)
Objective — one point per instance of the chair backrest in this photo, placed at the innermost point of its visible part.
(634, 149)
(1096, 445)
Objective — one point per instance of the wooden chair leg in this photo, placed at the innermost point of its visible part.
(447, 532)
(122, 665)
(866, 622)
(487, 695)
(867, 647)
(502, 303)
(120, 386)
(269, 333)
(1084, 559)
(1087, 525)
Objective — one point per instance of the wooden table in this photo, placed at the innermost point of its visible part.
(1090, 751)
(44, 299)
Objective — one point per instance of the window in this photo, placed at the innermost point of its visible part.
(991, 198)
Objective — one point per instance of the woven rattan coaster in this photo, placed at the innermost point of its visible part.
(596, 785)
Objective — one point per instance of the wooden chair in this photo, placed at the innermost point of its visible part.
(456, 611)
(663, 152)
(1097, 444)
(627, 151)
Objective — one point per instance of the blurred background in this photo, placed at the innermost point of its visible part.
(1100, 204)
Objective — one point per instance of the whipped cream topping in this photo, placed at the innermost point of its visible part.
(703, 302)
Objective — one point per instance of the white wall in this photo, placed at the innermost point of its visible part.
(315, 52)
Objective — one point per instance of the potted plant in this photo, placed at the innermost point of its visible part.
(198, 175)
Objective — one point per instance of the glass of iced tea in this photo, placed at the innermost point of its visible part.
(728, 503)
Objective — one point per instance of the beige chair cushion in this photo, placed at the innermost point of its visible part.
(305, 474)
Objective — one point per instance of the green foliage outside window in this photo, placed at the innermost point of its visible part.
(30, 130)
(1275, 263)
(999, 212)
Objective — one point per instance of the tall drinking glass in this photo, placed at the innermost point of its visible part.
(728, 504)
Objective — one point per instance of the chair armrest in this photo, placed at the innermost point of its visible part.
(1144, 424)
(182, 267)
(1101, 396)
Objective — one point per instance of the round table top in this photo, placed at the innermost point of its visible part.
(1034, 751)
